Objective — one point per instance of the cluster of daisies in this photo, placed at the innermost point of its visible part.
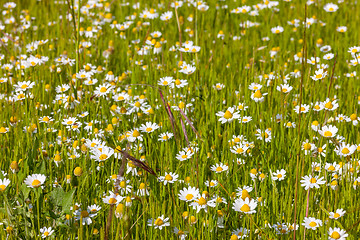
(77, 137)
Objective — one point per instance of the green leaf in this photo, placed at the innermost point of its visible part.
(43, 168)
(67, 200)
(57, 196)
(25, 190)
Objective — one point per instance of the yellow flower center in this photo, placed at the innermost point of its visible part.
(103, 157)
(312, 224)
(329, 105)
(328, 134)
(112, 201)
(168, 177)
(149, 129)
(228, 114)
(219, 169)
(307, 146)
(257, 94)
(336, 215)
(136, 133)
(2, 187)
(313, 180)
(123, 184)
(239, 150)
(159, 222)
(36, 183)
(202, 201)
(245, 194)
(335, 235)
(245, 208)
(345, 151)
(189, 196)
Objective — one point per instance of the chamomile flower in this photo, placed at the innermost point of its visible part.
(148, 127)
(166, 81)
(23, 86)
(239, 233)
(312, 181)
(344, 149)
(284, 88)
(228, 116)
(46, 119)
(337, 214)
(331, 7)
(101, 153)
(239, 149)
(319, 74)
(189, 194)
(166, 16)
(46, 232)
(201, 202)
(279, 175)
(169, 178)
(112, 198)
(246, 206)
(219, 86)
(341, 29)
(211, 183)
(330, 105)
(163, 137)
(180, 233)
(184, 155)
(277, 30)
(219, 167)
(134, 135)
(179, 83)
(85, 215)
(311, 223)
(257, 96)
(337, 234)
(35, 180)
(263, 135)
(103, 90)
(159, 223)
(241, 106)
(245, 119)
(3, 184)
(328, 131)
(243, 192)
(124, 186)
(328, 56)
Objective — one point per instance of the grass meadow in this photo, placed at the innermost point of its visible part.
(234, 119)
